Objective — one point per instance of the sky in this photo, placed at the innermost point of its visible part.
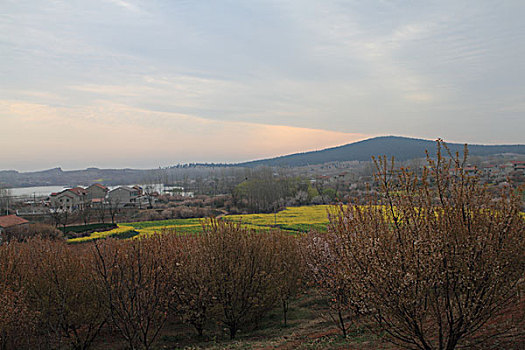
(143, 84)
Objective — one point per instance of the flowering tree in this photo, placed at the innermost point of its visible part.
(17, 320)
(242, 264)
(135, 276)
(58, 280)
(289, 272)
(191, 294)
(436, 258)
(328, 274)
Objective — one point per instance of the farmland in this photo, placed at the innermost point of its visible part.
(122, 231)
(291, 219)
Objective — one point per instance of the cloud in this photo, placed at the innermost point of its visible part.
(127, 5)
(112, 135)
(234, 71)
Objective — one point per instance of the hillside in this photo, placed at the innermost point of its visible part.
(402, 148)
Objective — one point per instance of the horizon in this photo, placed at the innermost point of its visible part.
(226, 163)
(130, 84)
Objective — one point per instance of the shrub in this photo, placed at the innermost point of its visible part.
(24, 232)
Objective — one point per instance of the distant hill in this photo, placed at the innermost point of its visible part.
(57, 176)
(402, 148)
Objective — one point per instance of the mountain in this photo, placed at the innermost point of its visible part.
(402, 148)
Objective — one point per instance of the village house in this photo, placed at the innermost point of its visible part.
(11, 221)
(70, 199)
(125, 196)
(96, 195)
(97, 192)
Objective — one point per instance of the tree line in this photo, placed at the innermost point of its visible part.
(60, 295)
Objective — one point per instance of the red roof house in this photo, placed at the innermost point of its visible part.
(8, 221)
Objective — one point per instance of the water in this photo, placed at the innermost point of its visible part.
(38, 191)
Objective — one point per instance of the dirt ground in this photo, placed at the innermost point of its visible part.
(309, 327)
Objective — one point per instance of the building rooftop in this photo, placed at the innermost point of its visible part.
(100, 186)
(11, 220)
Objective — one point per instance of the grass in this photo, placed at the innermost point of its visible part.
(164, 223)
(86, 228)
(303, 227)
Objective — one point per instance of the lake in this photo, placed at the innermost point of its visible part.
(38, 191)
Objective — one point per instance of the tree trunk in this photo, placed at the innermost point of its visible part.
(233, 331)
(285, 311)
(342, 322)
(200, 330)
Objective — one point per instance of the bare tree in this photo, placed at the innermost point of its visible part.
(149, 191)
(17, 320)
(113, 205)
(85, 211)
(59, 216)
(100, 209)
(56, 216)
(4, 200)
(66, 215)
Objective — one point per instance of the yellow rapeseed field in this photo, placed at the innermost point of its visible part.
(292, 219)
(104, 234)
(317, 214)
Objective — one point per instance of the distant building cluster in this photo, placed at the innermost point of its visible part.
(97, 195)
(493, 172)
